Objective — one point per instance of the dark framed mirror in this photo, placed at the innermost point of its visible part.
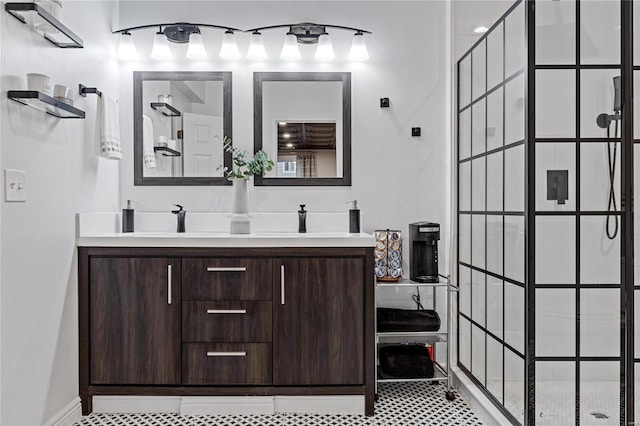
(180, 121)
(303, 122)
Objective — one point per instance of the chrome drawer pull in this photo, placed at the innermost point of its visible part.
(228, 269)
(168, 284)
(226, 354)
(282, 284)
(226, 311)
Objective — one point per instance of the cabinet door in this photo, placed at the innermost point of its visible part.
(318, 322)
(135, 321)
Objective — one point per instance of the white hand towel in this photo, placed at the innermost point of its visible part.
(108, 128)
(147, 143)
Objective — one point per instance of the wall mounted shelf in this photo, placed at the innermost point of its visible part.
(165, 109)
(33, 15)
(45, 103)
(166, 151)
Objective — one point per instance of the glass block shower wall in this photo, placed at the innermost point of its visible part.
(545, 217)
(491, 212)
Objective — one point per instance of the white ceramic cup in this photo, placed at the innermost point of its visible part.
(62, 91)
(165, 99)
(39, 82)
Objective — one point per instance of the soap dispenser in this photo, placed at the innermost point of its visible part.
(127, 218)
(354, 217)
(302, 219)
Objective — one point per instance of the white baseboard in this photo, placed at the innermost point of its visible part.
(326, 404)
(70, 414)
(479, 403)
(136, 404)
(226, 405)
(229, 405)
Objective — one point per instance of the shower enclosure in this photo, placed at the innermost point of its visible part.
(545, 212)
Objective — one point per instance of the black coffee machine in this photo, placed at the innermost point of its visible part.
(423, 251)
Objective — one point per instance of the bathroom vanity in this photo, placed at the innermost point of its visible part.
(219, 314)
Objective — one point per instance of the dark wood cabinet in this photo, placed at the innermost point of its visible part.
(226, 321)
(135, 321)
(318, 322)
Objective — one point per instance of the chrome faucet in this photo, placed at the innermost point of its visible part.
(181, 216)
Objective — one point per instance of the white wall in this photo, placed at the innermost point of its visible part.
(39, 275)
(397, 179)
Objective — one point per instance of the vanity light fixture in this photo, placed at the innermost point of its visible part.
(310, 33)
(179, 32)
(126, 48)
(256, 50)
(161, 50)
(359, 50)
(229, 48)
(324, 51)
(196, 50)
(290, 51)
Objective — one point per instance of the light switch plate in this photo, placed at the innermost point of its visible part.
(15, 185)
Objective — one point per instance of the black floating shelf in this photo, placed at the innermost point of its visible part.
(165, 109)
(45, 103)
(62, 36)
(166, 151)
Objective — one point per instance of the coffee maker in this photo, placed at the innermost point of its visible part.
(423, 251)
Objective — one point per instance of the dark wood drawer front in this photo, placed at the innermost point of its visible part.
(226, 363)
(226, 321)
(227, 279)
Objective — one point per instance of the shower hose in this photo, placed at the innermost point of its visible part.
(611, 206)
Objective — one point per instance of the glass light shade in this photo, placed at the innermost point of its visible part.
(160, 50)
(324, 51)
(127, 48)
(256, 50)
(196, 48)
(290, 51)
(359, 50)
(229, 48)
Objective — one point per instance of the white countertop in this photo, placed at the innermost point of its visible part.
(214, 239)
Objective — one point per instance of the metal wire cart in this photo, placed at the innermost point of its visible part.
(434, 339)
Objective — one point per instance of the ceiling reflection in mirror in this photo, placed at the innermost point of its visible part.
(306, 149)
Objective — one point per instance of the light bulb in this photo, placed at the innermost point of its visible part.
(160, 50)
(359, 50)
(196, 50)
(324, 51)
(229, 48)
(290, 50)
(127, 48)
(256, 50)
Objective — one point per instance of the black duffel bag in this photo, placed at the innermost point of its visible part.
(405, 362)
(390, 320)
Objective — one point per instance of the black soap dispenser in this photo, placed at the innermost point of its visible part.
(354, 218)
(302, 219)
(127, 218)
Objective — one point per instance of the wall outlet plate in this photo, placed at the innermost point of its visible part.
(15, 185)
(416, 131)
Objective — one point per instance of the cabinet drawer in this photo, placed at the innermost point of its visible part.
(226, 279)
(226, 363)
(245, 321)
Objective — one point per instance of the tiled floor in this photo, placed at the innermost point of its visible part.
(400, 404)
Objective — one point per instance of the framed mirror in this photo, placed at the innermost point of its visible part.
(180, 121)
(303, 122)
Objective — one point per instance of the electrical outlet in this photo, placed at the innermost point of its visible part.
(415, 131)
(15, 185)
